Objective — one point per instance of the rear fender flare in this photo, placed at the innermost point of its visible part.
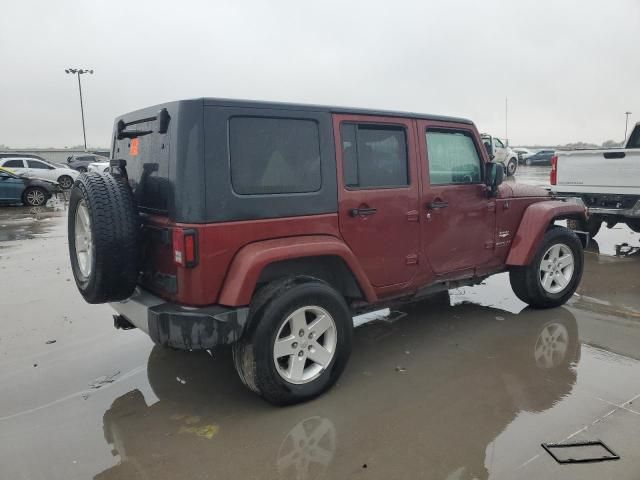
(248, 263)
(536, 220)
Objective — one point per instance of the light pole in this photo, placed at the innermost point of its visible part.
(78, 72)
(626, 124)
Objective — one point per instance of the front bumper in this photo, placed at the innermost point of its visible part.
(177, 326)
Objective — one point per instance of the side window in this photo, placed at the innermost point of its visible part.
(38, 165)
(498, 143)
(13, 164)
(374, 156)
(274, 155)
(452, 157)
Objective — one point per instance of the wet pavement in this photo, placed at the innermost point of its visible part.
(459, 387)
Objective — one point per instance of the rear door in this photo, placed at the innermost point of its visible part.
(10, 187)
(458, 218)
(378, 196)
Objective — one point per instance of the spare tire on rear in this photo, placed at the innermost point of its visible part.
(103, 237)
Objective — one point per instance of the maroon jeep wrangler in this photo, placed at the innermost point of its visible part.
(268, 226)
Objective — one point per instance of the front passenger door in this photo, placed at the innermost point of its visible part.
(458, 217)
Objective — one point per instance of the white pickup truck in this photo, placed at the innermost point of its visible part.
(607, 181)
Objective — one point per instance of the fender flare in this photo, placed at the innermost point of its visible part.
(535, 222)
(248, 263)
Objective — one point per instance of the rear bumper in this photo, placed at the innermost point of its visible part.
(184, 328)
(632, 212)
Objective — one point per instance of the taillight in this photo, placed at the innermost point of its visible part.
(185, 247)
(553, 175)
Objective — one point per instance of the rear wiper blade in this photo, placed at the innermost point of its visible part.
(133, 134)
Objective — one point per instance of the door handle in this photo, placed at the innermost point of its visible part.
(437, 204)
(362, 212)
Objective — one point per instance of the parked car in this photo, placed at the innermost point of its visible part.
(522, 153)
(81, 162)
(501, 153)
(278, 223)
(542, 157)
(99, 166)
(33, 168)
(30, 191)
(607, 181)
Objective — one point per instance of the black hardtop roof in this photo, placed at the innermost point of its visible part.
(222, 102)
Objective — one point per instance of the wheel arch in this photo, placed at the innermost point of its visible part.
(321, 256)
(536, 220)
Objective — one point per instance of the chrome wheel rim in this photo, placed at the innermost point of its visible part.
(65, 182)
(35, 197)
(84, 245)
(551, 346)
(305, 344)
(556, 268)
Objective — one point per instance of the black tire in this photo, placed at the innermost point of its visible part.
(512, 166)
(65, 181)
(591, 226)
(114, 236)
(253, 354)
(35, 196)
(526, 281)
(634, 224)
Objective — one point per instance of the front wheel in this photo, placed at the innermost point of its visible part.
(512, 166)
(554, 274)
(298, 340)
(35, 196)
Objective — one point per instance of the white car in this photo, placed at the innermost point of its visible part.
(501, 153)
(98, 167)
(523, 153)
(36, 168)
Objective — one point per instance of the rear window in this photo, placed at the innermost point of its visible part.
(274, 155)
(13, 164)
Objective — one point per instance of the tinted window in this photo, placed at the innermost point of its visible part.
(274, 155)
(39, 165)
(452, 158)
(13, 164)
(374, 155)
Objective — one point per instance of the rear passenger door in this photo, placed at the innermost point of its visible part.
(378, 196)
(458, 217)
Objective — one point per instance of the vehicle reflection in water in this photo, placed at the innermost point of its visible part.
(25, 223)
(426, 393)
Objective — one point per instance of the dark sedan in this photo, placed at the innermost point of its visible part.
(543, 157)
(29, 191)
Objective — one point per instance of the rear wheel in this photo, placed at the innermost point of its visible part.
(298, 340)
(554, 274)
(634, 224)
(35, 196)
(591, 226)
(65, 181)
(512, 166)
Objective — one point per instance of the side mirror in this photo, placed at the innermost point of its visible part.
(494, 175)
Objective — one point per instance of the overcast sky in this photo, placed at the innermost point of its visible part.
(570, 69)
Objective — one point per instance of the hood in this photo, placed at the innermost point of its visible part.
(519, 190)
